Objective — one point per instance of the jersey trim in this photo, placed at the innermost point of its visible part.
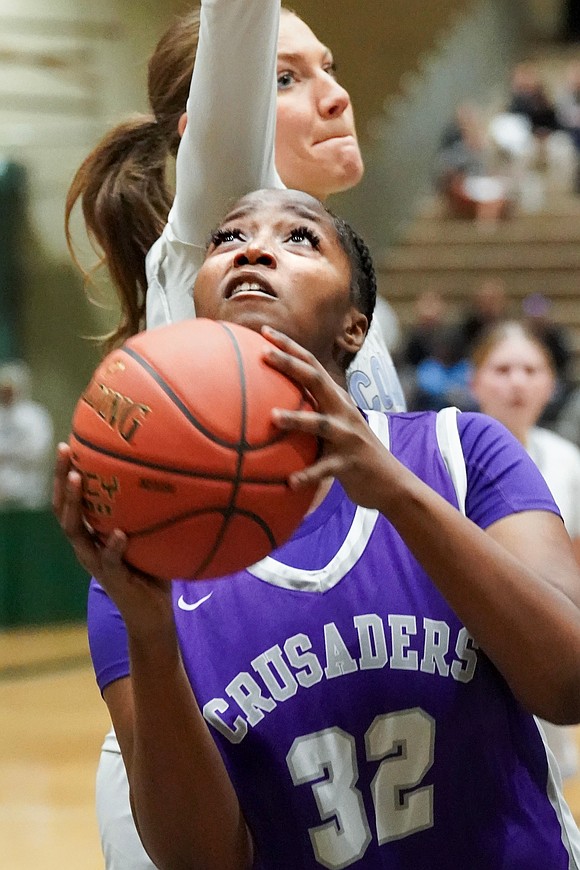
(452, 452)
(352, 548)
(569, 830)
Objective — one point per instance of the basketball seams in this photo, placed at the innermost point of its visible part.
(174, 398)
(241, 445)
(238, 446)
(235, 512)
(171, 469)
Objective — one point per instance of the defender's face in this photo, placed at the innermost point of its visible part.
(276, 260)
(316, 143)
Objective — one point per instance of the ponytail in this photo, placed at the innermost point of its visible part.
(122, 184)
(125, 201)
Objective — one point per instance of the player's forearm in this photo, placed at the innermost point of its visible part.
(231, 112)
(518, 614)
(186, 808)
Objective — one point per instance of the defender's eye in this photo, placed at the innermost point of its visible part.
(285, 80)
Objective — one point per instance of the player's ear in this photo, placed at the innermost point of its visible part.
(354, 330)
(182, 124)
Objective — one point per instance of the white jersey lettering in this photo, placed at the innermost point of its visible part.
(338, 659)
(402, 627)
(372, 641)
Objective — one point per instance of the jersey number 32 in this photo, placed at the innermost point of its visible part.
(403, 743)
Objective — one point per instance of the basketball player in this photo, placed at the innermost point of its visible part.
(241, 100)
(365, 695)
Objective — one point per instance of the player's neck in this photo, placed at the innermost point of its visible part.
(321, 494)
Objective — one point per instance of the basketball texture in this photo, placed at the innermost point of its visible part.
(175, 445)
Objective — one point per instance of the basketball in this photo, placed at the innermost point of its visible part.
(175, 445)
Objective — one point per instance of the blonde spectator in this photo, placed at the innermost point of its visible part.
(513, 380)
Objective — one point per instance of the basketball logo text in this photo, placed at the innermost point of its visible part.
(99, 493)
(119, 412)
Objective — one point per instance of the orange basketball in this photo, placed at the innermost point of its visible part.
(174, 441)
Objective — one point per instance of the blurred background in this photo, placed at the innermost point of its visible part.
(470, 205)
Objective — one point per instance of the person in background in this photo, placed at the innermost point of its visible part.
(443, 377)
(430, 316)
(529, 97)
(26, 442)
(568, 111)
(514, 377)
(488, 305)
(537, 314)
(465, 175)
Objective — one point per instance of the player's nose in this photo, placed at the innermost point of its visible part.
(255, 254)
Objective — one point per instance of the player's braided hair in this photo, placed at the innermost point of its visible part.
(363, 285)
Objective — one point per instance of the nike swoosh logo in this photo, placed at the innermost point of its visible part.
(184, 605)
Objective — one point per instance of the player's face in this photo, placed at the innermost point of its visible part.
(514, 383)
(316, 144)
(276, 260)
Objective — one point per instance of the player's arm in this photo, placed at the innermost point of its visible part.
(516, 586)
(227, 148)
(185, 807)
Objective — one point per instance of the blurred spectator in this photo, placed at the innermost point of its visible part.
(464, 172)
(537, 314)
(571, 21)
(26, 442)
(530, 98)
(513, 380)
(443, 377)
(568, 110)
(430, 315)
(488, 306)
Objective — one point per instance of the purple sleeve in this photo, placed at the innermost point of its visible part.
(107, 637)
(501, 478)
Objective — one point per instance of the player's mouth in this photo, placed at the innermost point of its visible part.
(239, 287)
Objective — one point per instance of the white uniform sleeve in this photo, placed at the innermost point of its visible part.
(228, 146)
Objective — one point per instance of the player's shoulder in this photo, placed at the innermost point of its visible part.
(474, 425)
(481, 438)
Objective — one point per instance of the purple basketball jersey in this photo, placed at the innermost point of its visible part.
(359, 721)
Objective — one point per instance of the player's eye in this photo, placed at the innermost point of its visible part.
(304, 235)
(285, 80)
(224, 235)
(331, 69)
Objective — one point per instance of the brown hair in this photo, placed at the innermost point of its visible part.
(122, 184)
(506, 329)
